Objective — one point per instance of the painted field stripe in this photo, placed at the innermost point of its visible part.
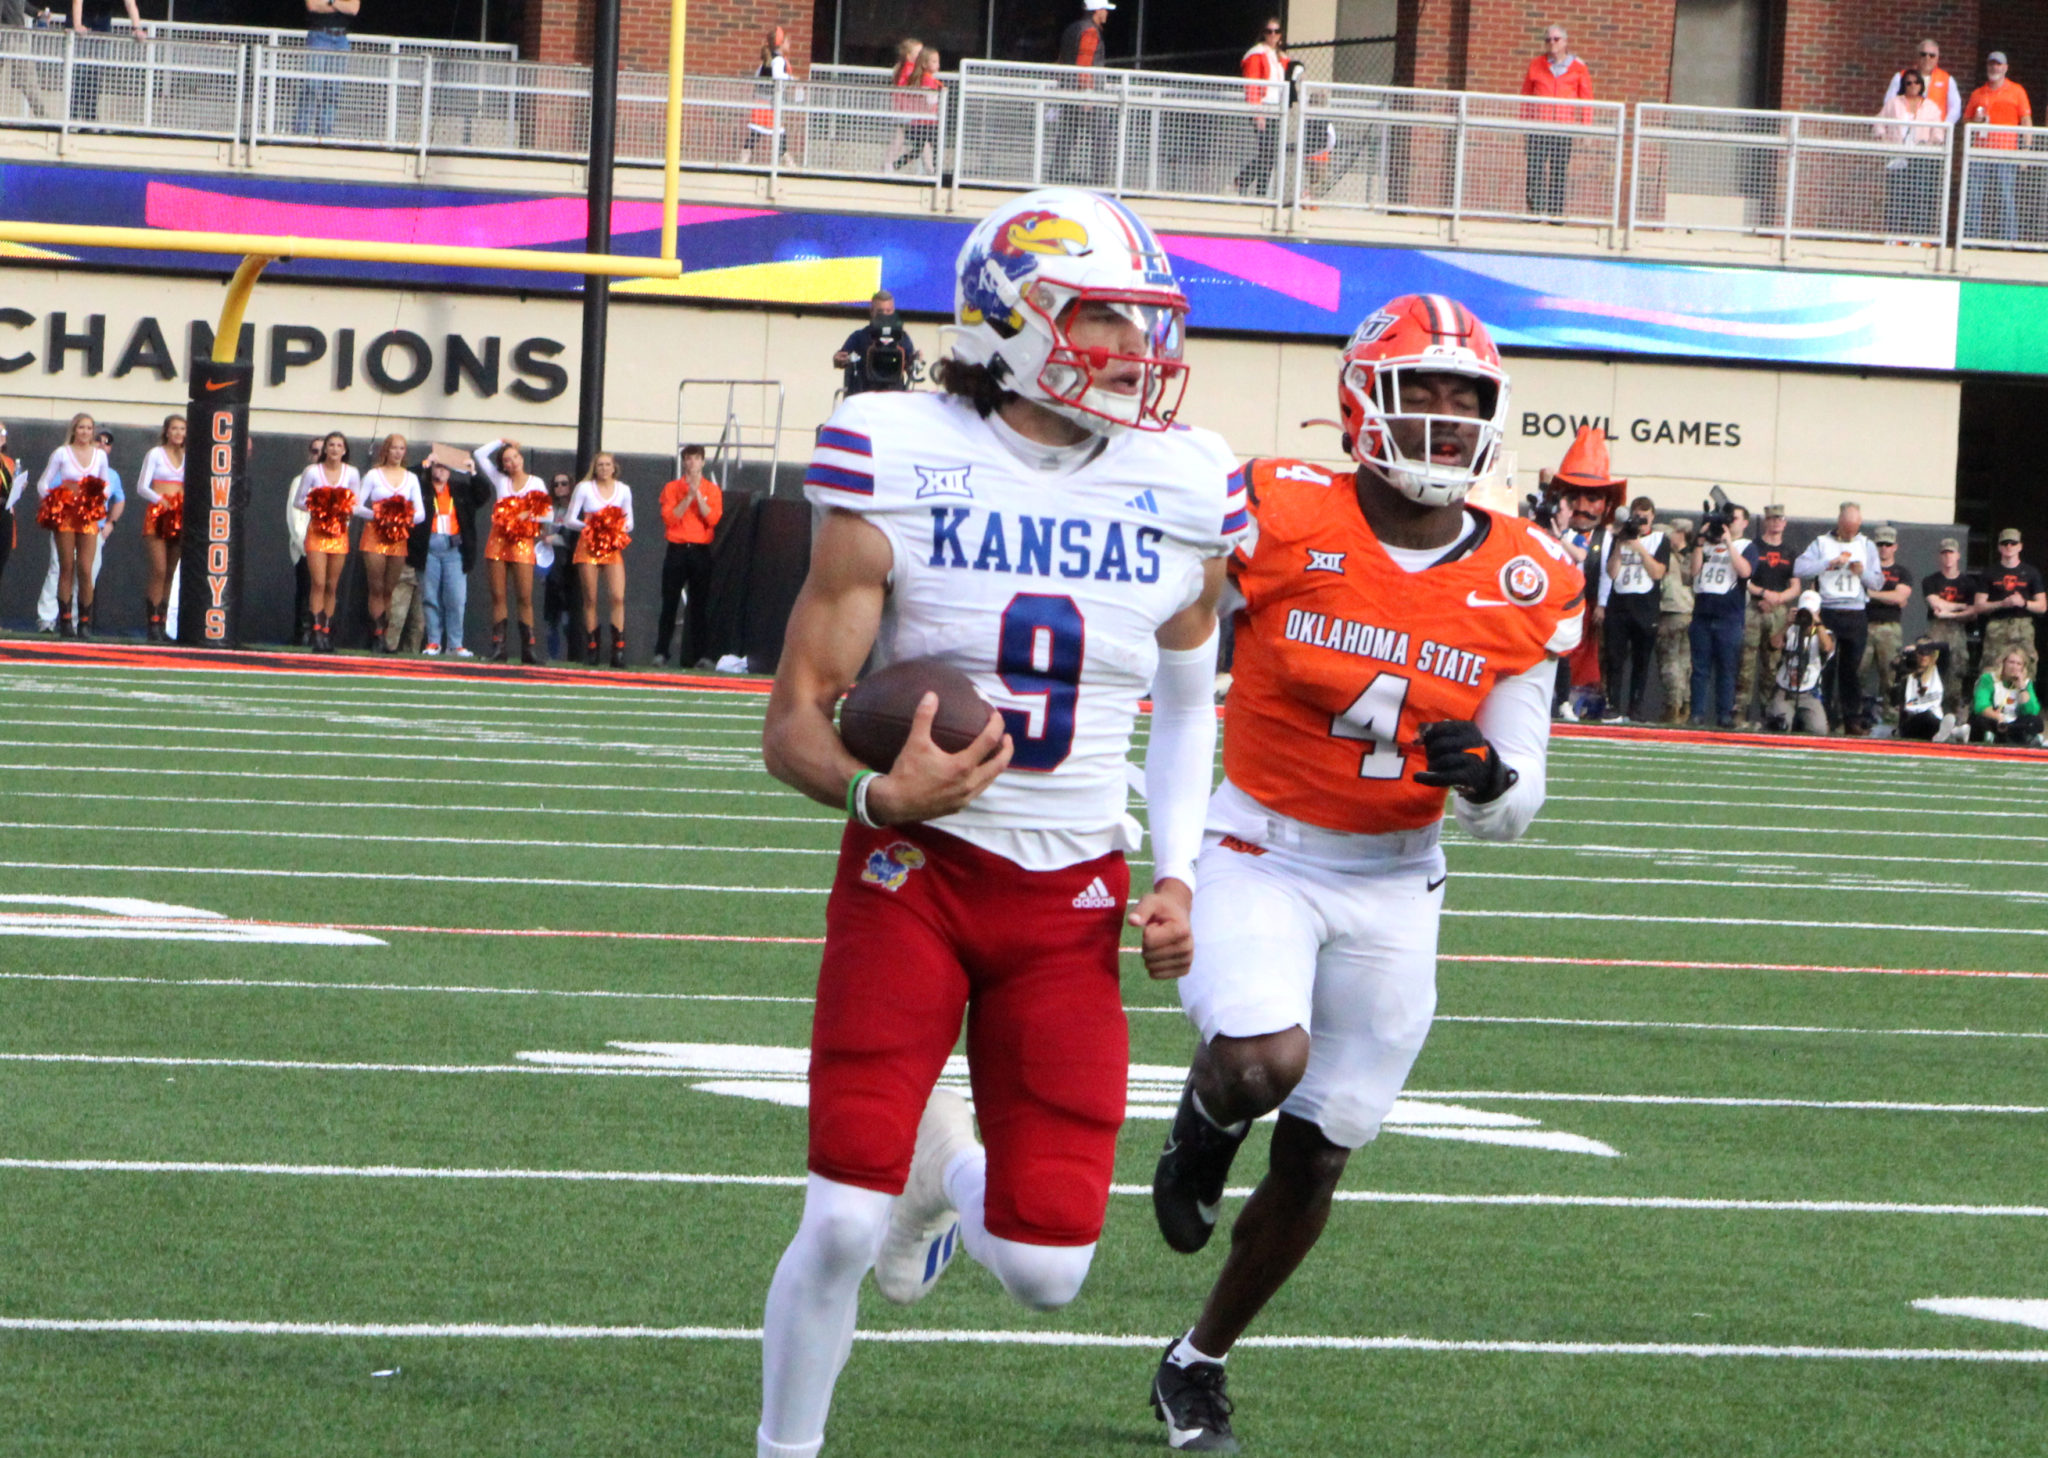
(154, 702)
(299, 777)
(534, 811)
(1785, 863)
(1674, 1203)
(145, 1060)
(1887, 832)
(674, 763)
(482, 1331)
(1734, 921)
(313, 736)
(1872, 805)
(1685, 966)
(414, 839)
(336, 720)
(273, 872)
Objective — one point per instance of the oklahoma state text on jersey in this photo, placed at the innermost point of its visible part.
(1342, 656)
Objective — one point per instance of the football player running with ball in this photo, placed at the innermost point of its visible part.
(1394, 644)
(1043, 526)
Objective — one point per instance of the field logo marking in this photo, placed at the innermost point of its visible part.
(1989, 1308)
(781, 1076)
(127, 918)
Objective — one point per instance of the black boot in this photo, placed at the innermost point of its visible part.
(497, 653)
(377, 632)
(618, 647)
(590, 657)
(526, 654)
(322, 643)
(85, 621)
(65, 630)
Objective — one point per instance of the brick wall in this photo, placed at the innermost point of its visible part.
(1839, 57)
(723, 38)
(1486, 45)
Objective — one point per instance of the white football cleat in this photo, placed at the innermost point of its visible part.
(924, 1229)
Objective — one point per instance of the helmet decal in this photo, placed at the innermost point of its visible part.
(1040, 232)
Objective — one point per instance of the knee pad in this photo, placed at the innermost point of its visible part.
(843, 1225)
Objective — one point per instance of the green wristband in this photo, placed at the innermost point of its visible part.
(853, 793)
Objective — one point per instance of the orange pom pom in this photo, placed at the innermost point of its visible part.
(331, 507)
(53, 509)
(392, 520)
(604, 532)
(166, 518)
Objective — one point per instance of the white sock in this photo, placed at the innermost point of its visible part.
(1041, 1276)
(1185, 1353)
(1235, 1131)
(808, 1331)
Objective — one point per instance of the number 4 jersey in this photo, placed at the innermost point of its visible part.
(1045, 587)
(1342, 654)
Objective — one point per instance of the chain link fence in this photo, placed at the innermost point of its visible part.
(1789, 175)
(2005, 188)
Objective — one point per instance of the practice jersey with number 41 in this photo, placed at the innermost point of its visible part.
(1342, 654)
(1046, 588)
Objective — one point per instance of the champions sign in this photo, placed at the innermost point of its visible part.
(210, 601)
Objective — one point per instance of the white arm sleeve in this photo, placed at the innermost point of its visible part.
(1515, 718)
(1181, 756)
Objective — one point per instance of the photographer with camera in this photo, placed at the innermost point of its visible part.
(1845, 561)
(879, 354)
(1636, 559)
(1920, 695)
(1887, 606)
(1721, 571)
(1771, 590)
(1674, 622)
(1805, 648)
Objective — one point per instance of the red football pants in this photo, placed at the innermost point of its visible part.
(922, 928)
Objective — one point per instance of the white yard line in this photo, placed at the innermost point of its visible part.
(417, 808)
(481, 1331)
(314, 734)
(313, 721)
(1782, 863)
(412, 838)
(361, 763)
(414, 876)
(300, 777)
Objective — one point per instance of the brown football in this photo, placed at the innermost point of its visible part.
(875, 715)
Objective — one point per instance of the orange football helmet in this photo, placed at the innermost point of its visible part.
(1420, 334)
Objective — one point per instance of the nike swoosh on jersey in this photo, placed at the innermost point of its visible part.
(1438, 881)
(1473, 599)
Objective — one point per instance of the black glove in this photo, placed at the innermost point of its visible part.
(1460, 759)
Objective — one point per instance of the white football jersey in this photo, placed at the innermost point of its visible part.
(1045, 589)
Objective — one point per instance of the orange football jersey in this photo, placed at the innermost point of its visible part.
(1342, 655)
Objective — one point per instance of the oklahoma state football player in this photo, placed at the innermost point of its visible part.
(1393, 644)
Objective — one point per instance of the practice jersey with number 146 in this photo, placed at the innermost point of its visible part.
(1342, 655)
(1046, 589)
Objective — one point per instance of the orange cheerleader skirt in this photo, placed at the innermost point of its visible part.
(595, 559)
(501, 548)
(165, 519)
(332, 546)
(374, 543)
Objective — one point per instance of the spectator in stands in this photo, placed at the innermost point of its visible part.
(1921, 695)
(1674, 621)
(327, 23)
(690, 509)
(1951, 605)
(2000, 103)
(905, 73)
(1940, 87)
(762, 122)
(879, 355)
(921, 119)
(1082, 136)
(1805, 648)
(903, 87)
(2006, 709)
(2009, 596)
(1264, 69)
(1772, 588)
(1912, 185)
(601, 541)
(1636, 560)
(445, 544)
(1887, 606)
(327, 529)
(1845, 561)
(561, 593)
(296, 520)
(1720, 572)
(88, 16)
(1557, 72)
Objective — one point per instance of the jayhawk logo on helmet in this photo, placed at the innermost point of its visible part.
(1422, 334)
(1044, 232)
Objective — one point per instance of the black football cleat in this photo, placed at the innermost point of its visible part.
(1187, 1186)
(1191, 1402)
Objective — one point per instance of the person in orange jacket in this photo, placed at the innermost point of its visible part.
(690, 508)
(1557, 72)
(1999, 102)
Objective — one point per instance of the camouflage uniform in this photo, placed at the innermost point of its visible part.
(1759, 659)
(2004, 634)
(1674, 625)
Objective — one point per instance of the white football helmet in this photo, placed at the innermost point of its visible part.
(1026, 270)
(1413, 335)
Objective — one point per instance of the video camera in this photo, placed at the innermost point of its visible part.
(885, 363)
(1716, 515)
(1548, 512)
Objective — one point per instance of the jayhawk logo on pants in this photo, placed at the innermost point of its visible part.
(891, 866)
(1012, 258)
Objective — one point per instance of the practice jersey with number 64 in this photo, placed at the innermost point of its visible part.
(1342, 654)
(1045, 588)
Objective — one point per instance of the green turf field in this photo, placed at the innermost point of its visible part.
(523, 1194)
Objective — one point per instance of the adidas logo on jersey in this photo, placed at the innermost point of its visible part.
(1144, 501)
(1095, 898)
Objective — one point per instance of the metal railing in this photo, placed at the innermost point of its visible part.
(1458, 154)
(397, 45)
(2005, 188)
(57, 80)
(1789, 175)
(340, 98)
(1131, 133)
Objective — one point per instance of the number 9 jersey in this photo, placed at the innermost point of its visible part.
(1342, 654)
(1046, 587)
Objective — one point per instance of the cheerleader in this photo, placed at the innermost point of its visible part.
(392, 505)
(162, 484)
(73, 492)
(602, 511)
(509, 549)
(338, 486)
